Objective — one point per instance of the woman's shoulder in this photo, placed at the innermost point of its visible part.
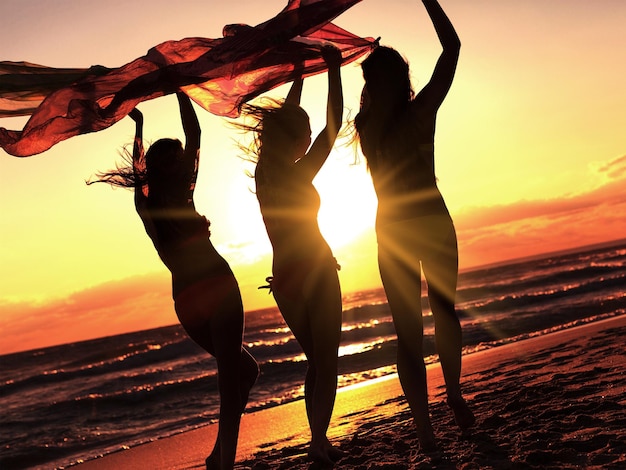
(418, 106)
(420, 114)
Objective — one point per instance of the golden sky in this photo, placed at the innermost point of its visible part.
(530, 154)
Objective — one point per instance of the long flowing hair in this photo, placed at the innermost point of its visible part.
(266, 121)
(384, 70)
(157, 164)
(128, 174)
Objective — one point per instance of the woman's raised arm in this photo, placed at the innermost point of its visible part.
(139, 170)
(437, 88)
(191, 127)
(295, 92)
(139, 164)
(324, 142)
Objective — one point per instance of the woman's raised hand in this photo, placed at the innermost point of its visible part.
(136, 115)
(331, 55)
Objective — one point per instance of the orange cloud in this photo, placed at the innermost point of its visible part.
(531, 227)
(108, 309)
(614, 169)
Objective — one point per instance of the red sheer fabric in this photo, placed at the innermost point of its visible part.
(23, 86)
(218, 74)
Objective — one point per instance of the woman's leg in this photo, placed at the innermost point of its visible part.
(315, 320)
(324, 307)
(212, 314)
(293, 310)
(440, 266)
(248, 373)
(401, 277)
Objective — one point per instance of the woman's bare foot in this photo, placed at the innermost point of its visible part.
(325, 453)
(333, 453)
(321, 457)
(463, 416)
(425, 431)
(212, 462)
(427, 440)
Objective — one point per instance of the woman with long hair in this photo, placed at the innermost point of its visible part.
(206, 295)
(413, 226)
(305, 283)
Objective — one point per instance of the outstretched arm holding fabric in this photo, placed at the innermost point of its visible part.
(139, 163)
(191, 154)
(138, 151)
(319, 151)
(139, 173)
(295, 92)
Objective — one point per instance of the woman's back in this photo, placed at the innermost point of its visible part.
(400, 155)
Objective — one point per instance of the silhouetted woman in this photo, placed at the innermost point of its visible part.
(396, 130)
(305, 283)
(206, 294)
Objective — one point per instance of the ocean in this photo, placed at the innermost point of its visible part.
(65, 404)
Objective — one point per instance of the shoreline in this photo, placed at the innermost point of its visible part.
(279, 434)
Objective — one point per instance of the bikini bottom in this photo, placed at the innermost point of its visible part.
(293, 280)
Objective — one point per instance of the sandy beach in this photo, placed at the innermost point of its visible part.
(556, 401)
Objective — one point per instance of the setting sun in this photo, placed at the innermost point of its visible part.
(348, 199)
